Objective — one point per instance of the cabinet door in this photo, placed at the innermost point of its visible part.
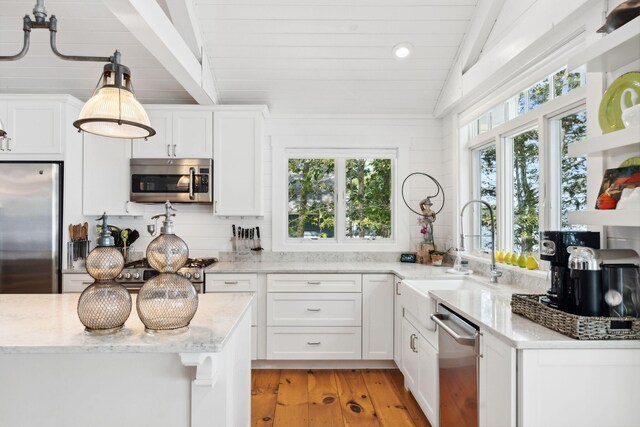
(377, 316)
(160, 145)
(192, 134)
(497, 394)
(237, 163)
(397, 322)
(106, 181)
(410, 362)
(428, 388)
(33, 127)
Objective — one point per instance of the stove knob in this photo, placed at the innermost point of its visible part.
(180, 273)
(127, 276)
(187, 275)
(136, 276)
(196, 275)
(119, 276)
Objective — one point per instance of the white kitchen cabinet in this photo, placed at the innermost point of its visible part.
(237, 163)
(397, 322)
(313, 343)
(33, 127)
(179, 134)
(314, 309)
(106, 181)
(238, 283)
(314, 282)
(420, 369)
(377, 316)
(75, 282)
(497, 382)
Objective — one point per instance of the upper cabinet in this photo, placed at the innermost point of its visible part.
(33, 127)
(237, 161)
(179, 134)
(106, 181)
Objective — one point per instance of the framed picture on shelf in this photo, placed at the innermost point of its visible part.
(614, 182)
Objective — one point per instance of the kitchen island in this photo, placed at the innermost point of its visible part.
(52, 373)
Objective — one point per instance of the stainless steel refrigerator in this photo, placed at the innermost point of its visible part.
(30, 227)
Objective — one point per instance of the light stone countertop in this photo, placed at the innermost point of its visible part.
(39, 323)
(492, 309)
(400, 269)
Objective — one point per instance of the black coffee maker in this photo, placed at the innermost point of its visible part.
(553, 248)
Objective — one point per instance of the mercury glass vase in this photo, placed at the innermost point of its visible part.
(105, 263)
(104, 307)
(167, 303)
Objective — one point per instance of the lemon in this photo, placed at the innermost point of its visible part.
(532, 263)
(507, 258)
(499, 256)
(522, 261)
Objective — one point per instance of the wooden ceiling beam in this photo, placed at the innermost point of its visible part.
(148, 23)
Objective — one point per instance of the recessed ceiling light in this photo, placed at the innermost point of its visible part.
(402, 50)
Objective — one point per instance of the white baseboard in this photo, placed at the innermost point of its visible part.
(323, 364)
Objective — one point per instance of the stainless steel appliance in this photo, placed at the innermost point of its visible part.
(457, 369)
(176, 180)
(135, 273)
(553, 248)
(30, 227)
(605, 282)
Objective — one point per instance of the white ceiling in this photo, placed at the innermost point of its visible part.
(297, 56)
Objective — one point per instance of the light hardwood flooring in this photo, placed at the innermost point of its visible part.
(349, 398)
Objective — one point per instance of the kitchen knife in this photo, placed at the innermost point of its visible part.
(259, 247)
(251, 241)
(133, 236)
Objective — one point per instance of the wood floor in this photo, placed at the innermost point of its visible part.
(349, 398)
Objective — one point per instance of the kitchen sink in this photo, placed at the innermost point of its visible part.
(415, 299)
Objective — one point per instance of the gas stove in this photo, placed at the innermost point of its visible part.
(135, 273)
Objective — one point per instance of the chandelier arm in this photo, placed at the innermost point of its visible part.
(26, 43)
(53, 30)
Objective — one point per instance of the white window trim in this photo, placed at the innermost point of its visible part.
(539, 118)
(344, 146)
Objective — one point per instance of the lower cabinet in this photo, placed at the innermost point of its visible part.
(377, 316)
(75, 282)
(420, 369)
(497, 382)
(315, 343)
(238, 283)
(397, 322)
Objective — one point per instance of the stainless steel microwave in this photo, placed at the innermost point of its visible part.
(176, 180)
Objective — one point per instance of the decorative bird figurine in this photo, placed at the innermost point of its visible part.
(619, 16)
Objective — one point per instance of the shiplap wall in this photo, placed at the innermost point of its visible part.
(207, 235)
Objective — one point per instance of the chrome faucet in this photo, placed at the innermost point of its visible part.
(495, 273)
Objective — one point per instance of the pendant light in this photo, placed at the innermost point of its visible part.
(113, 109)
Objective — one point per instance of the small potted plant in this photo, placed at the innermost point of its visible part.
(437, 257)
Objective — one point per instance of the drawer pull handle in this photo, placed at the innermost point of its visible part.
(313, 283)
(313, 309)
(87, 283)
(231, 283)
(313, 342)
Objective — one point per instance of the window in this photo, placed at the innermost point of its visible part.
(521, 165)
(338, 199)
(523, 148)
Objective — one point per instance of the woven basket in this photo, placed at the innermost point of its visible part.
(574, 326)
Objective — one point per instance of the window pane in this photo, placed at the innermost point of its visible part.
(483, 123)
(522, 103)
(311, 198)
(564, 82)
(525, 191)
(573, 181)
(538, 94)
(498, 115)
(368, 198)
(487, 157)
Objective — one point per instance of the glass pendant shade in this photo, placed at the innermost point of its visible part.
(167, 303)
(113, 110)
(103, 307)
(104, 263)
(167, 253)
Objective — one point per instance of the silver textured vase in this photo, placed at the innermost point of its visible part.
(104, 307)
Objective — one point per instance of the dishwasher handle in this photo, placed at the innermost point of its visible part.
(468, 340)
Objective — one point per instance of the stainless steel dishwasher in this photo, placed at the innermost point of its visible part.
(457, 369)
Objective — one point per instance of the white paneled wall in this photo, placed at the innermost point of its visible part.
(207, 235)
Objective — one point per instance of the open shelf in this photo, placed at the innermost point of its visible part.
(608, 141)
(612, 51)
(621, 218)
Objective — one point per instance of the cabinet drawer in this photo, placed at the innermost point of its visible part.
(314, 283)
(314, 309)
(75, 282)
(231, 283)
(293, 343)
